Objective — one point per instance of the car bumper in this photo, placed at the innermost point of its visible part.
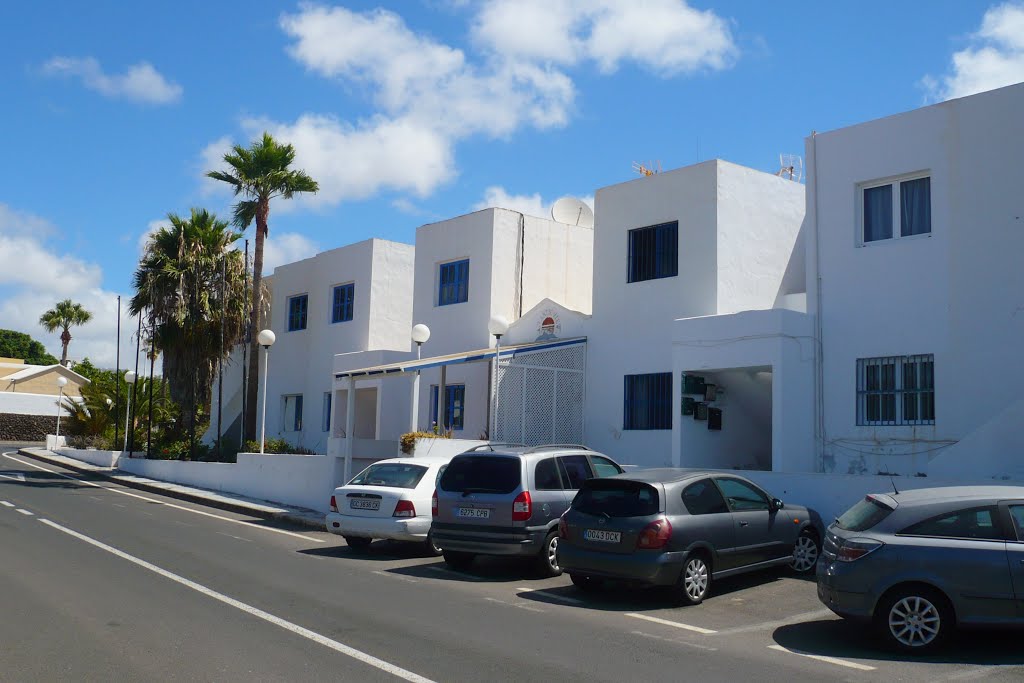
(839, 590)
(394, 528)
(518, 542)
(648, 567)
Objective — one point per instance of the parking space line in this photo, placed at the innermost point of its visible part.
(442, 570)
(6, 504)
(765, 625)
(674, 642)
(675, 624)
(547, 594)
(25, 512)
(513, 604)
(822, 658)
(392, 575)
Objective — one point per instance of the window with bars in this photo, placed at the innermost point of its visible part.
(896, 390)
(344, 298)
(455, 395)
(297, 312)
(654, 252)
(648, 401)
(905, 202)
(453, 283)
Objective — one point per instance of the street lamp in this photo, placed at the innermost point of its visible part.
(61, 383)
(420, 335)
(129, 379)
(497, 326)
(266, 338)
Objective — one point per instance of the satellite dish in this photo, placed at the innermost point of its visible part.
(572, 211)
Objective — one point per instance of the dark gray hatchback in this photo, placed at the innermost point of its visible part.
(681, 528)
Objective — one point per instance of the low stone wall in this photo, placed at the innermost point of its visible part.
(15, 427)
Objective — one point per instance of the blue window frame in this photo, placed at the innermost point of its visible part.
(325, 423)
(648, 401)
(297, 312)
(344, 300)
(455, 401)
(654, 252)
(453, 283)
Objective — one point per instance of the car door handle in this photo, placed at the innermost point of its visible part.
(747, 523)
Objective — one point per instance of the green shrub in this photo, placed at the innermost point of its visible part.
(276, 447)
(408, 441)
(179, 450)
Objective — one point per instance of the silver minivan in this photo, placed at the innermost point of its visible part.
(506, 500)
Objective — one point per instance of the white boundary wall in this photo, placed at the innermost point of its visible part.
(17, 403)
(90, 455)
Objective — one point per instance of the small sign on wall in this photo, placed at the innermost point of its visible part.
(715, 418)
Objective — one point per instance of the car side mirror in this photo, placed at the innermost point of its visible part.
(777, 504)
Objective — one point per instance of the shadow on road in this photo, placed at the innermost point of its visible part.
(378, 551)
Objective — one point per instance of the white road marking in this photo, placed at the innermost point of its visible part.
(676, 624)
(513, 604)
(553, 596)
(823, 658)
(765, 625)
(249, 609)
(673, 641)
(396, 576)
(464, 575)
(15, 477)
(25, 512)
(239, 538)
(171, 505)
(6, 504)
(118, 505)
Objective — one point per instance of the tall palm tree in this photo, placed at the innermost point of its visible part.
(65, 315)
(259, 174)
(179, 281)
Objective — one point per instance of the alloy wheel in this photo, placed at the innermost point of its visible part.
(695, 580)
(805, 554)
(914, 621)
(553, 554)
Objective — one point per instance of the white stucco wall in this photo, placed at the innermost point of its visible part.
(955, 293)
(19, 403)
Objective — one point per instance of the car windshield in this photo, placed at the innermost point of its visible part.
(390, 474)
(864, 515)
(482, 474)
(616, 498)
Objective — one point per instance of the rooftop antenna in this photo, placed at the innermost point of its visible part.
(791, 167)
(649, 169)
(893, 482)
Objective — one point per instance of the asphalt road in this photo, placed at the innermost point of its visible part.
(100, 582)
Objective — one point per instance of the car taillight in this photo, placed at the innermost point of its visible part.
(334, 504)
(655, 535)
(521, 507)
(853, 550)
(433, 504)
(405, 508)
(563, 528)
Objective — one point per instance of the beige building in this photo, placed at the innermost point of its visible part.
(16, 376)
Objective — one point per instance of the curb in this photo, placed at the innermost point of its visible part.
(240, 508)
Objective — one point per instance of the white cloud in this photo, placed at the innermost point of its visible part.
(994, 59)
(530, 204)
(140, 83)
(150, 230)
(286, 247)
(14, 222)
(211, 158)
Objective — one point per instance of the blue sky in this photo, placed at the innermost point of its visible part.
(415, 111)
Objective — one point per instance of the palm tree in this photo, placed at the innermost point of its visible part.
(179, 281)
(65, 315)
(259, 174)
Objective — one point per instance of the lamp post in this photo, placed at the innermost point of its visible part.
(61, 383)
(420, 335)
(266, 338)
(129, 379)
(497, 326)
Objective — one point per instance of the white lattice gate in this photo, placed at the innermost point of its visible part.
(540, 396)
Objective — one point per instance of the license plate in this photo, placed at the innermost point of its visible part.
(363, 504)
(602, 536)
(476, 513)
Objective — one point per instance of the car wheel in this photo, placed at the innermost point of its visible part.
(585, 583)
(358, 542)
(432, 549)
(547, 561)
(694, 581)
(914, 619)
(457, 560)
(806, 552)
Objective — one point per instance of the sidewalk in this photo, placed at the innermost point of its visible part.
(224, 501)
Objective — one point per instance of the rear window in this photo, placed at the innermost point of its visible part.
(616, 499)
(393, 474)
(482, 474)
(864, 515)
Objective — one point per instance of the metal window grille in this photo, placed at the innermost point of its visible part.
(344, 297)
(453, 283)
(896, 390)
(297, 312)
(648, 401)
(541, 396)
(654, 252)
(455, 400)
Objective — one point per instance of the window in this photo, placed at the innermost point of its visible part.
(654, 252)
(453, 283)
(742, 496)
(976, 523)
(546, 476)
(603, 467)
(325, 421)
(1017, 515)
(912, 213)
(455, 402)
(896, 390)
(648, 401)
(292, 413)
(704, 498)
(344, 297)
(390, 474)
(864, 515)
(575, 470)
(297, 312)
(490, 473)
(617, 499)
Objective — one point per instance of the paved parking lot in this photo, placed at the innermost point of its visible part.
(772, 613)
